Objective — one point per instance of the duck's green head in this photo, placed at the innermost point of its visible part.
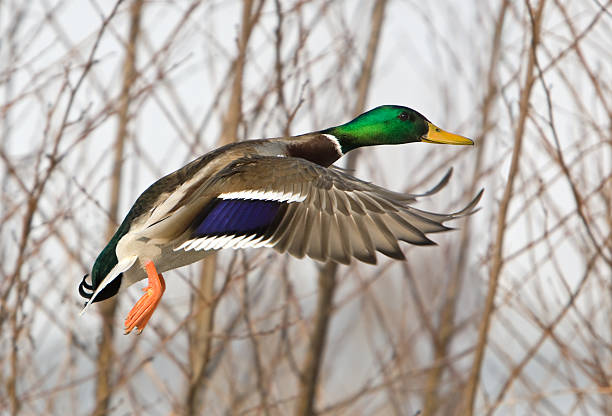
(391, 124)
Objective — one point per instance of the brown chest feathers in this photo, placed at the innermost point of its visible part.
(322, 149)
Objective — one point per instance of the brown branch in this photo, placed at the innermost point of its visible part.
(233, 117)
(199, 329)
(316, 346)
(547, 331)
(105, 359)
(34, 197)
(327, 274)
(202, 326)
(446, 328)
(497, 257)
(578, 198)
(260, 373)
(365, 79)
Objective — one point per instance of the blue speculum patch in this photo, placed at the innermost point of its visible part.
(238, 217)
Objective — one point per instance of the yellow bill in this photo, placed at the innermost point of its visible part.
(437, 135)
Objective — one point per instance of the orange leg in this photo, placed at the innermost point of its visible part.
(144, 308)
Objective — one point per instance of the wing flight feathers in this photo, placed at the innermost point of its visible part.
(307, 209)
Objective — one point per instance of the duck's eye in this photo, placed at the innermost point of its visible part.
(403, 116)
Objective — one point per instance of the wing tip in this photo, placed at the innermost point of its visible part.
(397, 254)
(440, 185)
(370, 258)
(425, 242)
(469, 209)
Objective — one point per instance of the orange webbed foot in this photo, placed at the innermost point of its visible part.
(144, 308)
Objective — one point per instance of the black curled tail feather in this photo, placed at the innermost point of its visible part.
(85, 289)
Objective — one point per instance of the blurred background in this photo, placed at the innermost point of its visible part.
(507, 315)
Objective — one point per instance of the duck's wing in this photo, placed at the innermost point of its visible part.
(302, 208)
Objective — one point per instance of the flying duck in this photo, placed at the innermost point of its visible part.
(281, 193)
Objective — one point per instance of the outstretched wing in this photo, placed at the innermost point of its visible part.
(302, 208)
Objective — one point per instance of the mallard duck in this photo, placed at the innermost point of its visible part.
(281, 193)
